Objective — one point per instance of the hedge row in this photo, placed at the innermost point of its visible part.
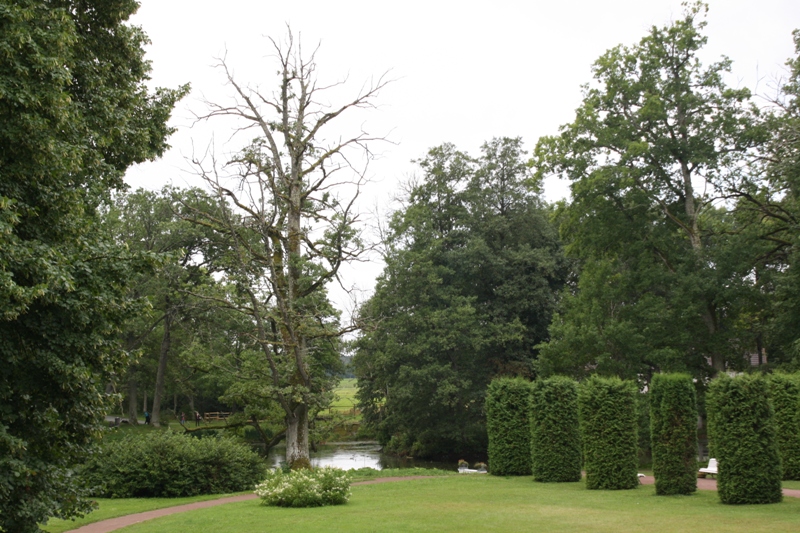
(507, 405)
(673, 431)
(742, 438)
(167, 464)
(608, 421)
(555, 431)
(784, 392)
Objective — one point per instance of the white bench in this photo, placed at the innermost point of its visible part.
(711, 469)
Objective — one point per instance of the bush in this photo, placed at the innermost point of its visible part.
(673, 430)
(167, 464)
(741, 434)
(784, 391)
(555, 431)
(305, 488)
(608, 420)
(507, 406)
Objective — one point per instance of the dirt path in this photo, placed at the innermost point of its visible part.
(113, 524)
(119, 522)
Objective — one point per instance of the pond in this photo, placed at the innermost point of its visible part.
(354, 455)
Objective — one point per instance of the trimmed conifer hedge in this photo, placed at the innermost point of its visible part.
(741, 432)
(507, 405)
(555, 430)
(784, 392)
(608, 420)
(673, 431)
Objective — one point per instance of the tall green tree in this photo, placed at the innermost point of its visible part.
(472, 269)
(74, 114)
(656, 155)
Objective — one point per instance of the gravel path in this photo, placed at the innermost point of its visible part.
(113, 524)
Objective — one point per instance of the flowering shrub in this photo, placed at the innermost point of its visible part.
(305, 488)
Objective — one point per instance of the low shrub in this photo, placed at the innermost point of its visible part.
(555, 432)
(741, 434)
(784, 391)
(608, 420)
(507, 406)
(673, 426)
(168, 464)
(305, 488)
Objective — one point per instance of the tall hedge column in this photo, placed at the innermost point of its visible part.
(507, 406)
(673, 430)
(555, 431)
(741, 433)
(607, 410)
(784, 392)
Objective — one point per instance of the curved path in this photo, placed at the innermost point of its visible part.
(113, 524)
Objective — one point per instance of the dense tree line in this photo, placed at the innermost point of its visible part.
(680, 248)
(473, 269)
(677, 251)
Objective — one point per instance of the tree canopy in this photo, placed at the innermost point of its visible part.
(74, 114)
(472, 270)
(663, 158)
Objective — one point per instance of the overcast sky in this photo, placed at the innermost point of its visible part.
(465, 71)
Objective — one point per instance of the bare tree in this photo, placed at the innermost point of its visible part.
(287, 229)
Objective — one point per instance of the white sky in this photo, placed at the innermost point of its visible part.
(465, 71)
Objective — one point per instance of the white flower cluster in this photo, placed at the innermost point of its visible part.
(305, 488)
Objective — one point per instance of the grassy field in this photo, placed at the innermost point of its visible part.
(346, 396)
(487, 503)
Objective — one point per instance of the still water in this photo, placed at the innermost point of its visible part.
(354, 455)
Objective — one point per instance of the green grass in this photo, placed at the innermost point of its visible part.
(112, 508)
(346, 396)
(790, 485)
(365, 474)
(487, 503)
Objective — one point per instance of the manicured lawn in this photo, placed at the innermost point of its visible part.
(487, 503)
(790, 485)
(112, 508)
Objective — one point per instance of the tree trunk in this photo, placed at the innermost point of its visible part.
(144, 400)
(162, 370)
(132, 418)
(297, 435)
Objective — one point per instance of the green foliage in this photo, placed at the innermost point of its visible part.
(75, 112)
(305, 487)
(472, 269)
(673, 431)
(784, 393)
(608, 421)
(666, 277)
(555, 430)
(741, 432)
(168, 464)
(507, 405)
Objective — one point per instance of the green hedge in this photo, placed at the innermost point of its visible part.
(741, 434)
(608, 420)
(673, 430)
(507, 405)
(555, 430)
(784, 390)
(168, 464)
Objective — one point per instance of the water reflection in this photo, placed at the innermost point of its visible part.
(354, 455)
